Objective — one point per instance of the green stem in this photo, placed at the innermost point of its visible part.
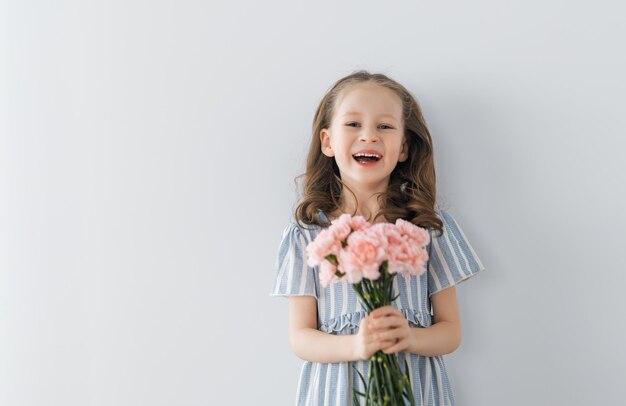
(385, 378)
(393, 390)
(376, 376)
(358, 288)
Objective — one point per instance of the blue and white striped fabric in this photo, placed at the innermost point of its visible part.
(452, 260)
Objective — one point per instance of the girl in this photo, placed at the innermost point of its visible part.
(372, 155)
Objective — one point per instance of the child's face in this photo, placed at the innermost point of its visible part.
(367, 116)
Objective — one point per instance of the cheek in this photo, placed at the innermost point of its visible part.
(397, 153)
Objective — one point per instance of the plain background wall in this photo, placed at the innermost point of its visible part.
(147, 157)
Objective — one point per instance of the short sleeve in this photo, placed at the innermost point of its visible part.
(452, 259)
(292, 275)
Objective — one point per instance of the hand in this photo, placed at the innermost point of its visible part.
(365, 342)
(391, 329)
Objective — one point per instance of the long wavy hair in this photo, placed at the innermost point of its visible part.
(411, 192)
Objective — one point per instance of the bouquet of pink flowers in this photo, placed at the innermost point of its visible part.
(369, 257)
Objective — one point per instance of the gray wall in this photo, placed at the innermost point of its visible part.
(147, 157)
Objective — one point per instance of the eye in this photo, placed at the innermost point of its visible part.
(387, 126)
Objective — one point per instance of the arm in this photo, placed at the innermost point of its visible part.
(311, 344)
(444, 336)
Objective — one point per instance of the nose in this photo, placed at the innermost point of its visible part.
(368, 134)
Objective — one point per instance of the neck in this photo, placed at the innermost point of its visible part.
(366, 203)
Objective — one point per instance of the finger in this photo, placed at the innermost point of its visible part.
(388, 322)
(396, 347)
(383, 311)
(382, 345)
(391, 334)
(384, 336)
(373, 325)
(389, 341)
(394, 321)
(373, 328)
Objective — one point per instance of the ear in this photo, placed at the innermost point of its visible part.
(325, 140)
(404, 152)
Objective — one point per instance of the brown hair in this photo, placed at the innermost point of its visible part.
(411, 193)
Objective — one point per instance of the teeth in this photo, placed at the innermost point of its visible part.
(368, 155)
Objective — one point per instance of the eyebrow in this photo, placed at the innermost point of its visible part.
(358, 114)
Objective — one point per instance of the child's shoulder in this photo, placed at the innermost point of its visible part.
(443, 213)
(299, 227)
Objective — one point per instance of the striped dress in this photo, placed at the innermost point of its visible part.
(452, 260)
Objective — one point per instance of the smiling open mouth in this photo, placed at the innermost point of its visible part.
(366, 158)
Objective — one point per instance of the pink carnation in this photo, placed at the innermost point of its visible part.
(388, 232)
(407, 258)
(340, 228)
(418, 234)
(363, 255)
(325, 243)
(353, 273)
(329, 241)
(356, 223)
(327, 273)
(366, 248)
(405, 242)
